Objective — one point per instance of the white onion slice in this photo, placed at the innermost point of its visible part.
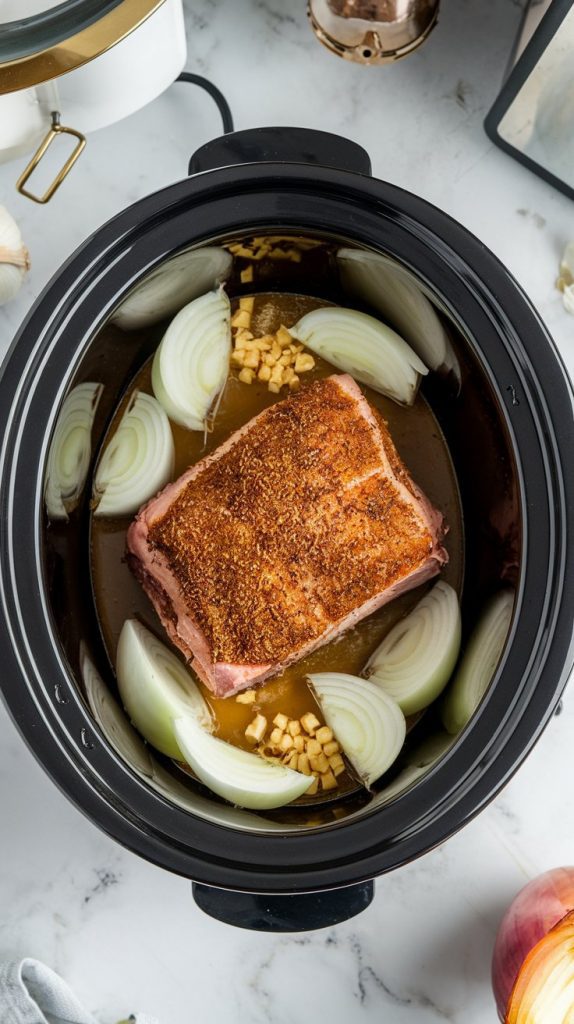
(364, 347)
(414, 662)
(71, 450)
(138, 460)
(392, 291)
(112, 719)
(191, 364)
(156, 688)
(368, 724)
(172, 285)
(245, 779)
(478, 663)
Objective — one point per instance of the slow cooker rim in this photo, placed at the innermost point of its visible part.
(315, 175)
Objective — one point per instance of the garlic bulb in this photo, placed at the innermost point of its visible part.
(14, 258)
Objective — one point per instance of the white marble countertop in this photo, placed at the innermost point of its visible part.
(125, 934)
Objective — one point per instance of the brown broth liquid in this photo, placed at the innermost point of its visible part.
(421, 444)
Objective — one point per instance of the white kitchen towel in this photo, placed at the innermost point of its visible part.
(31, 993)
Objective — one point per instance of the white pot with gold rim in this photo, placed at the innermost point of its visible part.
(78, 65)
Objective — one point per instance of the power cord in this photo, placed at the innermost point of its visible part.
(215, 93)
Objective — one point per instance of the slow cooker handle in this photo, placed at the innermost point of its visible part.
(296, 912)
(281, 145)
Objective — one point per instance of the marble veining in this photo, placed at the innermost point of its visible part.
(124, 933)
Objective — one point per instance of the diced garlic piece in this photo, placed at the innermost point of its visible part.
(313, 787)
(303, 764)
(247, 697)
(251, 360)
(283, 336)
(276, 736)
(314, 748)
(299, 743)
(294, 727)
(264, 373)
(256, 729)
(241, 318)
(331, 748)
(275, 388)
(286, 742)
(324, 735)
(281, 721)
(246, 376)
(310, 722)
(328, 780)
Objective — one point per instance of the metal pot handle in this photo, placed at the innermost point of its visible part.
(281, 145)
(295, 912)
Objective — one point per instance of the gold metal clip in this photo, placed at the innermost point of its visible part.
(55, 130)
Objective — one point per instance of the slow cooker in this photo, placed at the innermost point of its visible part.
(505, 409)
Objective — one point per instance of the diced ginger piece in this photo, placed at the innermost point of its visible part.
(242, 335)
(288, 374)
(303, 764)
(251, 360)
(246, 275)
(299, 743)
(322, 763)
(324, 735)
(331, 748)
(283, 336)
(313, 788)
(277, 374)
(275, 350)
(247, 697)
(256, 729)
(340, 768)
(275, 388)
(247, 302)
(286, 742)
(264, 373)
(314, 748)
(328, 780)
(314, 762)
(276, 736)
(246, 376)
(262, 345)
(241, 318)
(294, 727)
(310, 722)
(237, 357)
(281, 721)
(269, 360)
(304, 362)
(292, 760)
(335, 760)
(285, 359)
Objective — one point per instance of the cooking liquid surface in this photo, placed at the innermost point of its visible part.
(420, 443)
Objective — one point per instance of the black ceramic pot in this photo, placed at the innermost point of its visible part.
(509, 425)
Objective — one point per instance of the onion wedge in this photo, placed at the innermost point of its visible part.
(138, 460)
(156, 689)
(191, 364)
(172, 285)
(71, 450)
(414, 662)
(364, 347)
(393, 292)
(478, 663)
(245, 779)
(368, 724)
(544, 989)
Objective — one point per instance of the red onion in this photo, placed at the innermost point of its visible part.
(534, 942)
